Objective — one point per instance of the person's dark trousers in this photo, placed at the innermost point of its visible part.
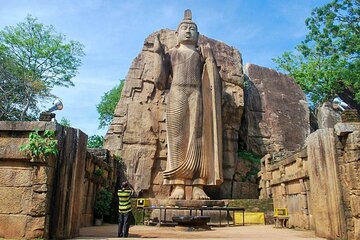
(123, 229)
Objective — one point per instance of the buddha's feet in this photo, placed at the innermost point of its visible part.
(198, 193)
(178, 192)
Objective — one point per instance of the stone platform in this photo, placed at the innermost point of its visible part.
(185, 203)
(251, 205)
(163, 211)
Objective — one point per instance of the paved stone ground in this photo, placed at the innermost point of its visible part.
(252, 232)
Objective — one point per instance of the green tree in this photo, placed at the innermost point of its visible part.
(327, 62)
(108, 103)
(65, 122)
(11, 89)
(95, 141)
(35, 58)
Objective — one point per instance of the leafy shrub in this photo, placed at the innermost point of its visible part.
(250, 156)
(102, 202)
(99, 172)
(253, 162)
(39, 147)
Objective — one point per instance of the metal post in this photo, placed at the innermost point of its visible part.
(244, 217)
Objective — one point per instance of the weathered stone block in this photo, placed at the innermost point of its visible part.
(351, 175)
(118, 128)
(245, 190)
(135, 73)
(228, 173)
(225, 190)
(327, 117)
(15, 177)
(40, 174)
(139, 160)
(160, 191)
(228, 159)
(355, 205)
(144, 96)
(141, 126)
(38, 204)
(298, 220)
(41, 188)
(258, 144)
(353, 141)
(117, 141)
(158, 177)
(15, 200)
(35, 227)
(356, 232)
(352, 156)
(17, 126)
(294, 187)
(9, 148)
(120, 111)
(132, 85)
(342, 129)
(12, 226)
(230, 138)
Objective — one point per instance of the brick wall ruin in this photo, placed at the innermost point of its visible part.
(50, 198)
(320, 185)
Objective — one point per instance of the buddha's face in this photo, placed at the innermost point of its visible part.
(187, 34)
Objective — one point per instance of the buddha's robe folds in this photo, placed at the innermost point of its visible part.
(194, 155)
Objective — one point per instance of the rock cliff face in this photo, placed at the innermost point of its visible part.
(138, 131)
(276, 112)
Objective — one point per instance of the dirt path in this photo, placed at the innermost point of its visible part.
(268, 232)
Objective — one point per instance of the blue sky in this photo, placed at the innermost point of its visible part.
(113, 33)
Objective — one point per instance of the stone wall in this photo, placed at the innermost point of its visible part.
(26, 187)
(349, 175)
(320, 184)
(96, 159)
(138, 132)
(287, 182)
(50, 198)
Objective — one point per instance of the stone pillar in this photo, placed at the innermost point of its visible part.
(326, 196)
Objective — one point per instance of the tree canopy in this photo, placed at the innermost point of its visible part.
(65, 122)
(33, 59)
(108, 103)
(327, 62)
(95, 141)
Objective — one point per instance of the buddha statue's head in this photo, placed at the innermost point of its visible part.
(187, 32)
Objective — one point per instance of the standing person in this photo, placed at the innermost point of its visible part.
(193, 117)
(124, 195)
